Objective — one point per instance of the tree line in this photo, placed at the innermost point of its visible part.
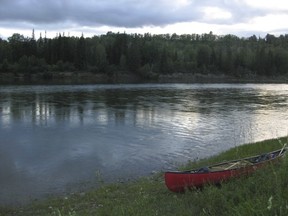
(147, 55)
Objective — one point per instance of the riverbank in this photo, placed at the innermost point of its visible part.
(263, 193)
(83, 77)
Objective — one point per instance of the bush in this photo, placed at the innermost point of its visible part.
(5, 66)
(31, 65)
(64, 66)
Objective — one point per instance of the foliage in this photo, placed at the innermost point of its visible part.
(263, 193)
(162, 54)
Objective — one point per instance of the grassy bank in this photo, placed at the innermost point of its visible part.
(263, 193)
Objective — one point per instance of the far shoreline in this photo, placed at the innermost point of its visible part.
(83, 77)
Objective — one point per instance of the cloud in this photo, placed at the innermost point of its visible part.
(121, 13)
(215, 13)
(61, 15)
(275, 5)
(128, 13)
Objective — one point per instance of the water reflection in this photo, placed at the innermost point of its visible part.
(56, 137)
(104, 105)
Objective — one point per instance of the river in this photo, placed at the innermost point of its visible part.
(57, 139)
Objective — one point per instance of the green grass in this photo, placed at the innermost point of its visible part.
(263, 193)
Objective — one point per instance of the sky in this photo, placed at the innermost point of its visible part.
(243, 18)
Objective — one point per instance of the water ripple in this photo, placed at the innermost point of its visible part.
(59, 137)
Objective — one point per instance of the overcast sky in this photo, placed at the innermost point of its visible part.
(94, 17)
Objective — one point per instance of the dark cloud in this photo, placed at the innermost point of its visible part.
(121, 13)
(32, 11)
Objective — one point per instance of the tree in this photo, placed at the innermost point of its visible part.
(5, 66)
(119, 48)
(134, 56)
(203, 56)
(17, 43)
(80, 61)
(281, 60)
(5, 51)
(100, 57)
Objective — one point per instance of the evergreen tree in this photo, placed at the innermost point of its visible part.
(80, 57)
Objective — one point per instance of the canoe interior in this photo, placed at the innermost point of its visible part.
(239, 163)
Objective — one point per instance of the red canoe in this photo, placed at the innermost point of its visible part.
(178, 181)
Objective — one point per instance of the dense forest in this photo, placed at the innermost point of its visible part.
(146, 55)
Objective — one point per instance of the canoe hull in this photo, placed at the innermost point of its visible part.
(177, 181)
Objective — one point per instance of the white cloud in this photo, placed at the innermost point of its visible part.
(270, 22)
(268, 4)
(216, 13)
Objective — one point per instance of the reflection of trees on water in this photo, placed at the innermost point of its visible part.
(119, 104)
(74, 107)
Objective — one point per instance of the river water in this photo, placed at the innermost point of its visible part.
(63, 138)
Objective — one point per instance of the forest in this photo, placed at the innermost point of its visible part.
(146, 55)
